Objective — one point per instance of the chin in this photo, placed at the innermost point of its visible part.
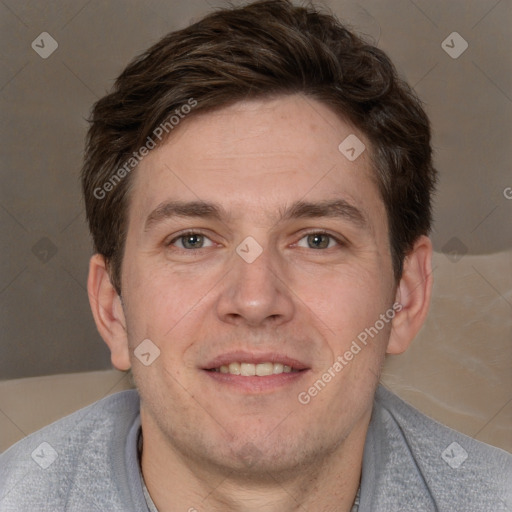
(253, 455)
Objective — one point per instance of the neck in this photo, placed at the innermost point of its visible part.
(177, 482)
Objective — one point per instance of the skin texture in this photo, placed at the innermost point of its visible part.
(212, 446)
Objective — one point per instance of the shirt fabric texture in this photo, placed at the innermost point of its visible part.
(410, 463)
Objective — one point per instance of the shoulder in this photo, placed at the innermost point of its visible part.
(55, 465)
(459, 472)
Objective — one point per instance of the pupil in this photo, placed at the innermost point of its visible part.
(192, 241)
(318, 241)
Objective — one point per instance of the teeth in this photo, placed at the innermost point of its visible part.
(250, 369)
(234, 369)
(263, 369)
(247, 369)
(278, 368)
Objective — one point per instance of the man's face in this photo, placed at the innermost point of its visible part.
(195, 283)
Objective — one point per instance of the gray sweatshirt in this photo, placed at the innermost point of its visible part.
(88, 462)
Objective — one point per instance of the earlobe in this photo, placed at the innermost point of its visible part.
(108, 312)
(413, 293)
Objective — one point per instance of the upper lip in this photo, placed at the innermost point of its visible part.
(241, 356)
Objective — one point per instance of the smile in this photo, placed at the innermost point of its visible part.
(250, 369)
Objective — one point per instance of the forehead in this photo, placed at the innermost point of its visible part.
(260, 155)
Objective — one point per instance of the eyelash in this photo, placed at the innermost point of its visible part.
(183, 235)
(339, 241)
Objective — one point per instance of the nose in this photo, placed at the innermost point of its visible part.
(255, 293)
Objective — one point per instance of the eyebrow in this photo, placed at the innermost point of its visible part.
(171, 209)
(336, 208)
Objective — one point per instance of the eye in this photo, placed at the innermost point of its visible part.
(318, 241)
(191, 240)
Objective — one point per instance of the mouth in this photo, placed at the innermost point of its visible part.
(251, 369)
(255, 373)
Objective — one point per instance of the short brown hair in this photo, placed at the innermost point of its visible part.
(263, 49)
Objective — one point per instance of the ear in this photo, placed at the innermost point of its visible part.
(413, 293)
(108, 313)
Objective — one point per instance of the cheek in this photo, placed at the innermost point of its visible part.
(344, 299)
(156, 295)
(171, 308)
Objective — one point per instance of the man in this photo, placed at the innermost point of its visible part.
(258, 188)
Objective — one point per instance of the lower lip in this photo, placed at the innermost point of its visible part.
(256, 384)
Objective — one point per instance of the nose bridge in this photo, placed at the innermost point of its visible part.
(254, 290)
(257, 273)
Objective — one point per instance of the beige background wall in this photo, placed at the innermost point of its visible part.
(459, 368)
